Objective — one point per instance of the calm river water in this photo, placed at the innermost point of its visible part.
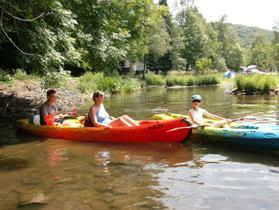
(149, 176)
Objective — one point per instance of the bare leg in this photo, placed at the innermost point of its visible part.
(119, 122)
(220, 124)
(130, 120)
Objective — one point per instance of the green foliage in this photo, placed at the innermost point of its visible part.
(159, 39)
(189, 80)
(245, 34)
(275, 43)
(276, 55)
(20, 75)
(219, 64)
(207, 80)
(176, 80)
(51, 80)
(229, 48)
(4, 77)
(253, 84)
(261, 52)
(130, 85)
(155, 79)
(43, 37)
(110, 84)
(90, 82)
(195, 34)
(55, 79)
(202, 65)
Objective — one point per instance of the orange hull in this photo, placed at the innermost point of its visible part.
(175, 130)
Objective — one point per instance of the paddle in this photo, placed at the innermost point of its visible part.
(185, 127)
(201, 126)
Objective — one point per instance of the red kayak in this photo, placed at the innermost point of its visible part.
(176, 130)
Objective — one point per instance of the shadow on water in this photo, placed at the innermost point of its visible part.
(237, 154)
(10, 135)
(14, 107)
(13, 163)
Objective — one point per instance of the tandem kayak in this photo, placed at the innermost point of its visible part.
(148, 131)
(247, 135)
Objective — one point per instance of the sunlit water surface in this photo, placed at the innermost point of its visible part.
(77, 175)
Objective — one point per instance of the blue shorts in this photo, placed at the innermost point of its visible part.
(106, 121)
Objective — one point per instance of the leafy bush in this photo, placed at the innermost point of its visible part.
(54, 79)
(180, 81)
(5, 77)
(112, 84)
(130, 85)
(207, 80)
(256, 83)
(188, 80)
(20, 75)
(89, 81)
(155, 79)
(202, 65)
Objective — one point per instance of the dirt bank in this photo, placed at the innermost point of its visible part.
(20, 98)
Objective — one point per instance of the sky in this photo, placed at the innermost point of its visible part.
(260, 13)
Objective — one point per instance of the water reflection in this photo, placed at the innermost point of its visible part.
(219, 181)
(77, 175)
(91, 175)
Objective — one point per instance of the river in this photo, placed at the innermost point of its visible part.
(77, 175)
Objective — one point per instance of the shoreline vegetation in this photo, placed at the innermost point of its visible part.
(76, 48)
(256, 85)
(22, 94)
(183, 80)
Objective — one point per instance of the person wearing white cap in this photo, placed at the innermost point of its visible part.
(196, 114)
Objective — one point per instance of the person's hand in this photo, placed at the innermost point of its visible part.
(229, 120)
(205, 125)
(61, 116)
(107, 126)
(195, 126)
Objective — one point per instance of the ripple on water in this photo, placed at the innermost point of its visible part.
(146, 176)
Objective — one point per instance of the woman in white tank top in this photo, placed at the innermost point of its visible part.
(196, 114)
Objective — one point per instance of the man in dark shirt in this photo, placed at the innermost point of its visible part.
(49, 107)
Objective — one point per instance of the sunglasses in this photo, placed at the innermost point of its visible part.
(196, 101)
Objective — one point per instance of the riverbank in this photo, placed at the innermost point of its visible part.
(256, 85)
(22, 97)
(183, 80)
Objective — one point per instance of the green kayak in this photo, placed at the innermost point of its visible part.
(247, 135)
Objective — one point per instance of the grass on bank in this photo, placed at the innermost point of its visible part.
(155, 79)
(256, 83)
(18, 75)
(116, 84)
(182, 80)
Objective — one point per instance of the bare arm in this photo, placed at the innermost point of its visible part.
(212, 116)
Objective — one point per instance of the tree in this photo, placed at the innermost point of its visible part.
(229, 49)
(202, 65)
(261, 52)
(160, 40)
(275, 43)
(199, 39)
(93, 35)
(39, 35)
